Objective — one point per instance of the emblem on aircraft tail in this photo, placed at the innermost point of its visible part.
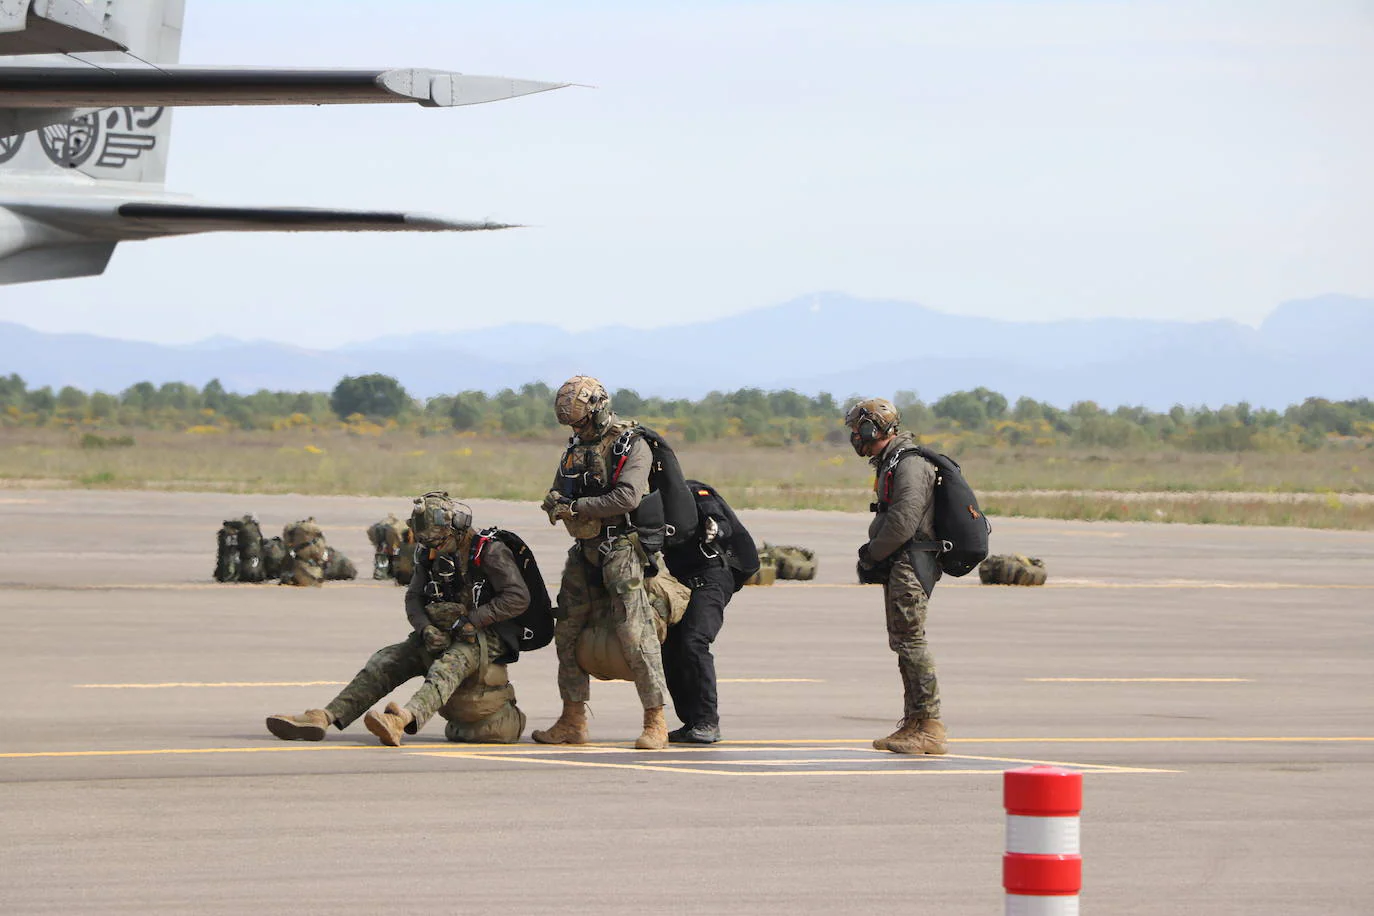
(69, 145)
(9, 147)
(121, 135)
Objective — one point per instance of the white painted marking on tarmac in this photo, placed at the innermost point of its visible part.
(1172, 584)
(1140, 680)
(211, 684)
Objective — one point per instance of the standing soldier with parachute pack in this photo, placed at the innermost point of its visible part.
(926, 522)
(620, 493)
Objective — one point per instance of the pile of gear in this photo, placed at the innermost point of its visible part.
(393, 546)
(1012, 569)
(783, 561)
(301, 556)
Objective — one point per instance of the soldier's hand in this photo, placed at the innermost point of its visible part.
(465, 630)
(551, 499)
(711, 530)
(565, 509)
(866, 558)
(436, 640)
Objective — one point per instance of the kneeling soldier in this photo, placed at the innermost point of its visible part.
(453, 636)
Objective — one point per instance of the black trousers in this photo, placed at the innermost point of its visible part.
(688, 666)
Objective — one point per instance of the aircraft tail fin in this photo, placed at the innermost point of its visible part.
(116, 144)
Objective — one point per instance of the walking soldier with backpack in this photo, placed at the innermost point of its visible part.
(925, 522)
(467, 605)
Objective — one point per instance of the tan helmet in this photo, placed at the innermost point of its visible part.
(579, 397)
(870, 420)
(435, 516)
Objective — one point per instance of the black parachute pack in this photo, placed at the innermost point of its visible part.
(536, 621)
(670, 505)
(741, 556)
(273, 557)
(227, 552)
(251, 568)
(961, 528)
(238, 551)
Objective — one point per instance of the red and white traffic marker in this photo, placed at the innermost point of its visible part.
(1042, 870)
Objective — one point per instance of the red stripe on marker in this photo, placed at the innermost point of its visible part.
(1042, 876)
(1043, 792)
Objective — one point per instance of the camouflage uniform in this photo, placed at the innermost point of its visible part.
(444, 670)
(607, 562)
(911, 515)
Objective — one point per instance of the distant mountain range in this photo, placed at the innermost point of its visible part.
(825, 342)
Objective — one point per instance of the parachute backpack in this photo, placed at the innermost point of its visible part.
(741, 556)
(961, 528)
(536, 621)
(670, 505)
(227, 551)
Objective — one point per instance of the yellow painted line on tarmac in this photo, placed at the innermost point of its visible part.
(178, 684)
(169, 586)
(530, 751)
(265, 749)
(210, 684)
(1139, 680)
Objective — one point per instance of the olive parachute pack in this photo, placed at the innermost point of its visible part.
(536, 621)
(961, 528)
(740, 554)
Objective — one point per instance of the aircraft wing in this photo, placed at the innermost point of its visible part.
(67, 87)
(135, 220)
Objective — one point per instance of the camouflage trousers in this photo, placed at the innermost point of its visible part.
(391, 667)
(905, 602)
(614, 581)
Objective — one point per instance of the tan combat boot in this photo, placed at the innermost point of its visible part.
(571, 727)
(389, 725)
(655, 736)
(308, 726)
(927, 737)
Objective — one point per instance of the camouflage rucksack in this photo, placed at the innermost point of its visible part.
(386, 536)
(790, 562)
(1012, 569)
(337, 566)
(307, 553)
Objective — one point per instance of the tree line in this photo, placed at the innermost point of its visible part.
(375, 403)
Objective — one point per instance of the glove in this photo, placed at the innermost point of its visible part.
(551, 499)
(711, 530)
(866, 560)
(444, 614)
(436, 640)
(465, 630)
(565, 509)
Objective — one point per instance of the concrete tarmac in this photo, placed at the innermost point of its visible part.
(1214, 684)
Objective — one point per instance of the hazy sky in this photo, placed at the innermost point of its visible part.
(1028, 160)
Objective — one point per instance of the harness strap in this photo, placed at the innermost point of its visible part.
(482, 656)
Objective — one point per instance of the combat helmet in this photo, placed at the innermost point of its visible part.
(583, 404)
(869, 421)
(435, 516)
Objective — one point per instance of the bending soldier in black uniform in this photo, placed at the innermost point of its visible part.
(714, 566)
